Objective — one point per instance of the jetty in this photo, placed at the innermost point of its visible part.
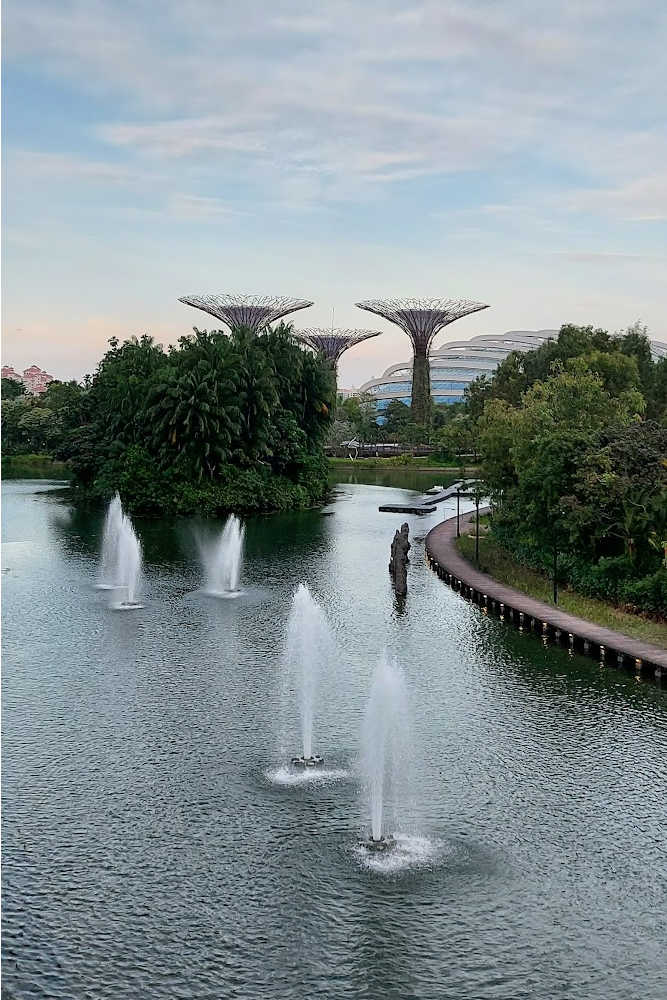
(427, 503)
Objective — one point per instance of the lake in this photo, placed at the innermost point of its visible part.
(154, 846)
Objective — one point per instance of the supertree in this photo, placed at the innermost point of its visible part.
(332, 343)
(421, 319)
(251, 311)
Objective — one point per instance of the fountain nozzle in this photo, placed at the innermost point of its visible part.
(379, 844)
(313, 761)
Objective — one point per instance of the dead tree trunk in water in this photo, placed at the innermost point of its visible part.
(398, 563)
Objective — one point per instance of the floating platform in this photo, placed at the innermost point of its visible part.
(406, 508)
(427, 503)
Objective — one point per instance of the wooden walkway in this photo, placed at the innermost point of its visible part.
(608, 646)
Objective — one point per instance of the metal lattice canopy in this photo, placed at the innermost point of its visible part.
(252, 311)
(332, 343)
(421, 319)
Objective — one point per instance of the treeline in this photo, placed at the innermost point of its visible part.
(573, 445)
(215, 423)
(447, 432)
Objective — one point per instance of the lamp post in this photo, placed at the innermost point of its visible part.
(477, 530)
(458, 511)
(555, 574)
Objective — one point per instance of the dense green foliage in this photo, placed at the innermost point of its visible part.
(575, 462)
(216, 423)
(495, 560)
(36, 425)
(11, 388)
(357, 418)
(33, 467)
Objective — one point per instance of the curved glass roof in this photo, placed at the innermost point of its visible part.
(459, 362)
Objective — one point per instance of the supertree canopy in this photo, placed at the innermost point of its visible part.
(251, 311)
(332, 343)
(421, 319)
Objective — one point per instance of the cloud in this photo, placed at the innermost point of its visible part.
(380, 92)
(388, 144)
(594, 256)
(35, 164)
(193, 207)
(643, 199)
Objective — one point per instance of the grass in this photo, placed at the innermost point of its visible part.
(424, 463)
(498, 563)
(33, 467)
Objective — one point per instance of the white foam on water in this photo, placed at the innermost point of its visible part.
(408, 852)
(225, 595)
(305, 775)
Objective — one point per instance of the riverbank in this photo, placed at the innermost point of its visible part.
(416, 464)
(580, 634)
(498, 563)
(34, 467)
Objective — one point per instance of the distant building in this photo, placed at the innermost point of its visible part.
(458, 363)
(34, 378)
(453, 367)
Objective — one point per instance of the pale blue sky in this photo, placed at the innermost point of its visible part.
(509, 152)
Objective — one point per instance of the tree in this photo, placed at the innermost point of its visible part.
(622, 492)
(496, 431)
(458, 437)
(175, 429)
(397, 417)
(36, 427)
(12, 389)
(13, 437)
(578, 478)
(362, 414)
(339, 431)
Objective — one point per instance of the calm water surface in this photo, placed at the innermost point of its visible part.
(149, 852)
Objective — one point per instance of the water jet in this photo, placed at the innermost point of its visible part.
(385, 751)
(109, 558)
(223, 558)
(308, 651)
(120, 564)
(128, 568)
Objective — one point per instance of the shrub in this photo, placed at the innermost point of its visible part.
(648, 594)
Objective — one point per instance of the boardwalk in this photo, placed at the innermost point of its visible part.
(609, 646)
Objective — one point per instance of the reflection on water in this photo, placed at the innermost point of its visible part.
(147, 853)
(403, 478)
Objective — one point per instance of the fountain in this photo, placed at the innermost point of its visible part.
(128, 568)
(222, 559)
(109, 560)
(385, 744)
(308, 648)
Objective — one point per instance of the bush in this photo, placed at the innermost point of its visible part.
(611, 578)
(648, 594)
(150, 491)
(33, 467)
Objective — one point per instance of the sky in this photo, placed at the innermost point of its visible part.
(513, 153)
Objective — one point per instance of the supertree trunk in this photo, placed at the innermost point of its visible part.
(421, 319)
(421, 389)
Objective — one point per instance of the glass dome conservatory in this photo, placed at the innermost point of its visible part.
(454, 366)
